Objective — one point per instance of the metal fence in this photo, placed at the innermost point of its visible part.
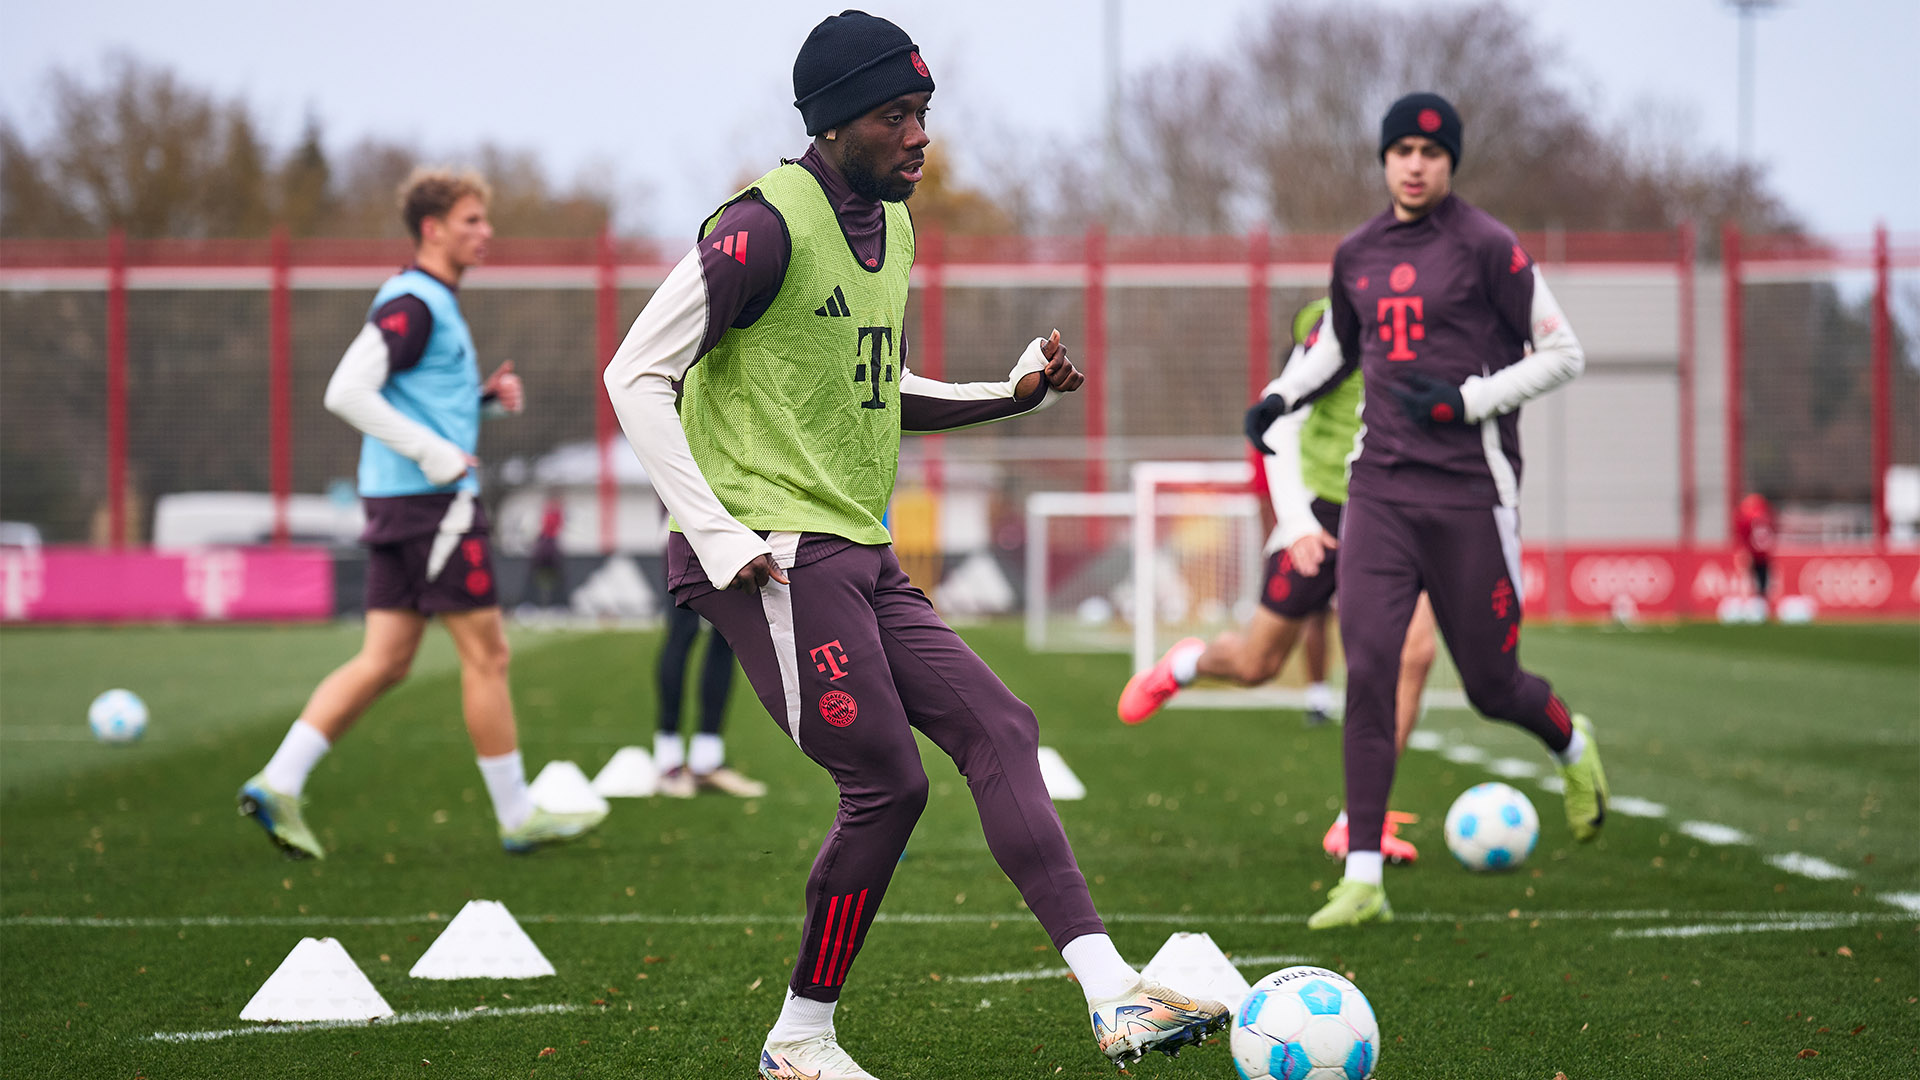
(133, 370)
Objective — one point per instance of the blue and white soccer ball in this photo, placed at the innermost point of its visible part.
(1305, 1023)
(1492, 826)
(117, 716)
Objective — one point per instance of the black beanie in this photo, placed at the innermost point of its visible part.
(1422, 114)
(852, 62)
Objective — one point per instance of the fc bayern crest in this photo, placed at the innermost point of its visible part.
(920, 66)
(1429, 119)
(838, 708)
(1402, 277)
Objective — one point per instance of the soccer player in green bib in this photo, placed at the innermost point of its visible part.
(1304, 457)
(781, 336)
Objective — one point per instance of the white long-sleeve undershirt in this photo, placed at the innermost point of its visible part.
(1556, 359)
(353, 394)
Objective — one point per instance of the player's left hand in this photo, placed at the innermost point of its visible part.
(1060, 373)
(504, 386)
(1429, 401)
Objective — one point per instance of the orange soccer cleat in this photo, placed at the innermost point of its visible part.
(1154, 687)
(1392, 846)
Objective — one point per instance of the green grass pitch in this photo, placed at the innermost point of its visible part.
(133, 901)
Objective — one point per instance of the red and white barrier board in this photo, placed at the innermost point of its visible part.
(86, 585)
(1841, 582)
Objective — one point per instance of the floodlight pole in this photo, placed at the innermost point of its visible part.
(1747, 9)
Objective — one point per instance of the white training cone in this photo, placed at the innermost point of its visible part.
(629, 774)
(1062, 785)
(482, 942)
(317, 981)
(1194, 965)
(562, 788)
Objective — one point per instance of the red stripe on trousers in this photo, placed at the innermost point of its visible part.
(839, 937)
(1557, 712)
(825, 932)
(858, 907)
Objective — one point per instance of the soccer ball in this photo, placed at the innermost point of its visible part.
(1305, 1023)
(1492, 826)
(117, 716)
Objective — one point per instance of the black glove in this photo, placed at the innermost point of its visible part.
(1428, 400)
(1261, 417)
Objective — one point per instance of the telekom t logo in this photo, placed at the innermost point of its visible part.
(830, 657)
(1401, 330)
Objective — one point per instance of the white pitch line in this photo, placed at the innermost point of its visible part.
(1464, 754)
(1425, 740)
(1708, 832)
(1637, 807)
(1812, 866)
(913, 918)
(1036, 974)
(1770, 925)
(1513, 768)
(1553, 783)
(429, 1016)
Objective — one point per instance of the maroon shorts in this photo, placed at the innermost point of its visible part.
(430, 572)
(1289, 593)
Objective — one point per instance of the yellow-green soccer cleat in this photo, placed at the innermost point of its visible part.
(1352, 903)
(1586, 786)
(1152, 1017)
(546, 827)
(279, 814)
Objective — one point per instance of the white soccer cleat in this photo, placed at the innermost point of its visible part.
(818, 1058)
(1153, 1017)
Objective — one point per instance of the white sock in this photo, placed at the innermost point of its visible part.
(802, 1018)
(668, 751)
(299, 752)
(706, 754)
(1365, 866)
(1342, 819)
(1575, 747)
(1186, 663)
(1097, 964)
(506, 781)
(1320, 697)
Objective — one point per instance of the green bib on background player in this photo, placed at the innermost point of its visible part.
(1332, 424)
(795, 421)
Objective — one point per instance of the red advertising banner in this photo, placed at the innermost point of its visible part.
(1659, 581)
(211, 584)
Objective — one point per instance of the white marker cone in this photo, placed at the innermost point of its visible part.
(317, 981)
(1195, 966)
(629, 774)
(562, 788)
(1062, 785)
(482, 942)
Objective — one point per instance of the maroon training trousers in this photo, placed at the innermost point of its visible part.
(848, 659)
(1467, 559)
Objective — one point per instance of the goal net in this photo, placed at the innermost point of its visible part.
(1177, 556)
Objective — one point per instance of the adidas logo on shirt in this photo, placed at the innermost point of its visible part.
(835, 307)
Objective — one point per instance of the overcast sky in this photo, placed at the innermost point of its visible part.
(678, 100)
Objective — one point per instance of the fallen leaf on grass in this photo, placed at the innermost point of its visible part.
(548, 1052)
(1809, 1052)
(1858, 1030)
(1843, 951)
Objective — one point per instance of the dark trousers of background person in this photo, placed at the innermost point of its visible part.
(716, 675)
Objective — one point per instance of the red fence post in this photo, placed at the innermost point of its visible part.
(1259, 330)
(1882, 401)
(1683, 370)
(1096, 385)
(1736, 406)
(930, 352)
(117, 388)
(280, 383)
(606, 426)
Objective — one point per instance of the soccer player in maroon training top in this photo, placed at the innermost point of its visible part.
(1453, 329)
